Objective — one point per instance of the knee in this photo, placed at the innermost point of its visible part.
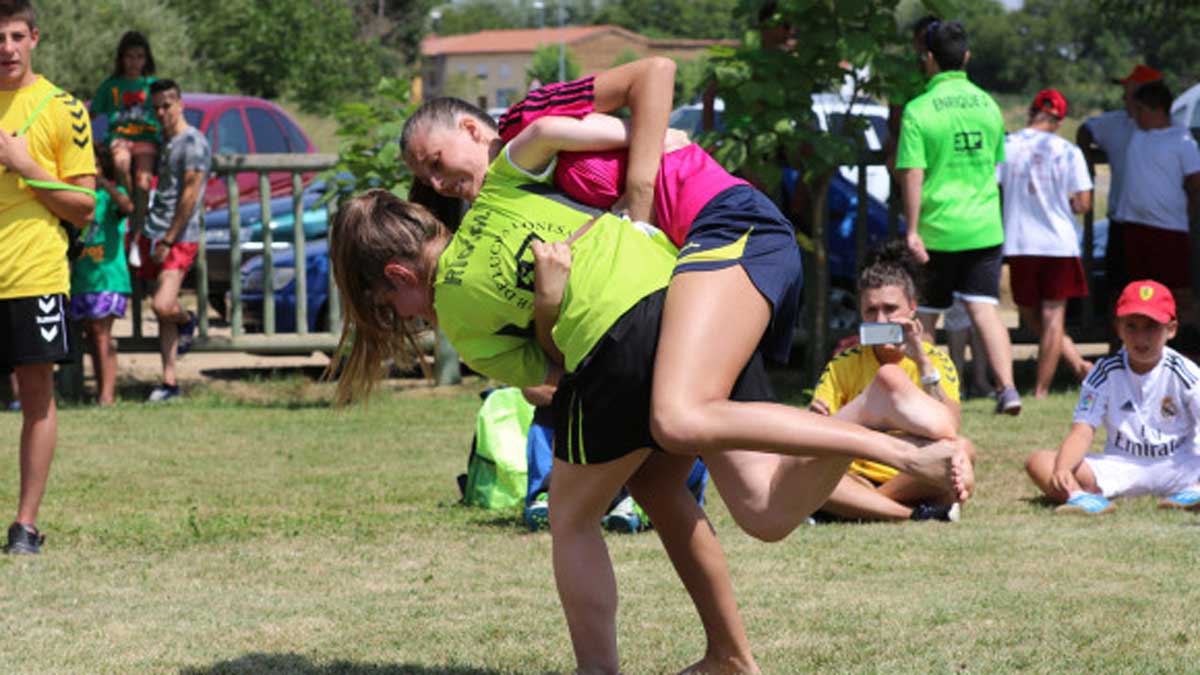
(1035, 462)
(677, 428)
(769, 530)
(892, 378)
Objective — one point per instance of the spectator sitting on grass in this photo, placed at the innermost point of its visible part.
(1147, 398)
(918, 380)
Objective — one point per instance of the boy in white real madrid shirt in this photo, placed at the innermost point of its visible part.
(1147, 397)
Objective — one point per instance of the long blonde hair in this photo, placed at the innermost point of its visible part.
(370, 231)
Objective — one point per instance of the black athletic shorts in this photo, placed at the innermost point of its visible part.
(602, 410)
(33, 330)
(973, 275)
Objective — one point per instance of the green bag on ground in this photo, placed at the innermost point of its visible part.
(496, 469)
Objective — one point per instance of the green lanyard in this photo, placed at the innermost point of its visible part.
(49, 184)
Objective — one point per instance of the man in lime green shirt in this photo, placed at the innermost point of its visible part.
(951, 138)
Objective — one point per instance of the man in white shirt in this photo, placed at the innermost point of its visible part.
(1045, 182)
(1161, 195)
(1110, 132)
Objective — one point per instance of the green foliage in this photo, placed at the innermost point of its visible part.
(626, 55)
(691, 77)
(544, 65)
(369, 155)
(676, 18)
(272, 48)
(79, 41)
(765, 121)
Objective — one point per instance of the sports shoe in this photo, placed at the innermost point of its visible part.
(24, 540)
(13, 406)
(1008, 402)
(1086, 503)
(187, 333)
(1186, 500)
(946, 514)
(163, 392)
(537, 514)
(623, 517)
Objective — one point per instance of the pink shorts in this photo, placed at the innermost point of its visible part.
(1158, 254)
(181, 257)
(1035, 278)
(133, 147)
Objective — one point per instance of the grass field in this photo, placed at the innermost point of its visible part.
(251, 529)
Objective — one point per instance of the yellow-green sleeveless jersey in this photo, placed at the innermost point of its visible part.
(483, 289)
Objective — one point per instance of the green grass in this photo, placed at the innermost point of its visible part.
(249, 529)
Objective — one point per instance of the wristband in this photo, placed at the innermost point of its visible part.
(930, 380)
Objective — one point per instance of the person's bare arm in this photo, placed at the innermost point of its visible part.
(69, 205)
(188, 196)
(911, 183)
(538, 143)
(647, 86)
(551, 269)
(1081, 202)
(1069, 457)
(123, 202)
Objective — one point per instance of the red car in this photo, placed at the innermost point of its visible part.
(239, 125)
(244, 125)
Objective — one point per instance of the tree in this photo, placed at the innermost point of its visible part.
(306, 50)
(544, 66)
(78, 63)
(675, 18)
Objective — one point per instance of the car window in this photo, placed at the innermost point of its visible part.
(295, 138)
(268, 137)
(1195, 117)
(875, 134)
(231, 135)
(193, 117)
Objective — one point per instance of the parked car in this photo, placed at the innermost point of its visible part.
(1185, 110)
(316, 257)
(243, 125)
(831, 111)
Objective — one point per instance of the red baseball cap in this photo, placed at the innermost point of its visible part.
(1148, 298)
(1051, 101)
(1141, 74)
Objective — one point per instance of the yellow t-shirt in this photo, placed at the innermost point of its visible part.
(33, 246)
(851, 371)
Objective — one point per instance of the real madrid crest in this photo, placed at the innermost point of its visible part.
(1168, 409)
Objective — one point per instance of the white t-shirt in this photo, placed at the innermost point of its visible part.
(1112, 131)
(1156, 162)
(1148, 417)
(1040, 172)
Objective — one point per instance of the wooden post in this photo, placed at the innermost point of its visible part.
(299, 255)
(818, 348)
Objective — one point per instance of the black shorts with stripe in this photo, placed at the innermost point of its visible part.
(602, 410)
(33, 330)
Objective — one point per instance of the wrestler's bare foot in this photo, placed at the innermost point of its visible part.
(892, 402)
(714, 666)
(946, 465)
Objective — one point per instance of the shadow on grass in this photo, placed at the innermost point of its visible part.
(314, 373)
(1041, 501)
(295, 663)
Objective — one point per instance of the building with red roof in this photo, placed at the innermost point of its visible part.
(488, 67)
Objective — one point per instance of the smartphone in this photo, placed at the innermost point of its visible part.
(870, 333)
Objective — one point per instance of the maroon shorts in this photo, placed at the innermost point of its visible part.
(1158, 254)
(1035, 278)
(181, 257)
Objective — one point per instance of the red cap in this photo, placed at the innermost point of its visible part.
(1148, 298)
(1141, 74)
(1051, 101)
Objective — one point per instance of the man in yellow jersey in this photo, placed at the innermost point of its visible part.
(910, 387)
(46, 174)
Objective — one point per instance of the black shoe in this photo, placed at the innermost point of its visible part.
(946, 514)
(23, 540)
